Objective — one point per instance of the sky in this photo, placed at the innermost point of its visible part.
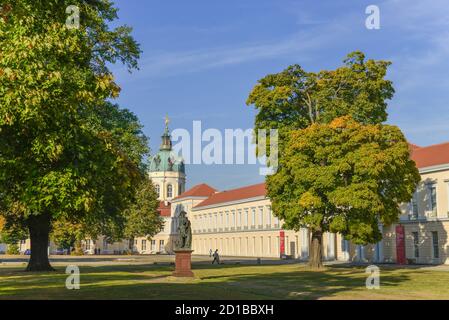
(201, 59)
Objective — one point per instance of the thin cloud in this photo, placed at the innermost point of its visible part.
(176, 63)
(426, 26)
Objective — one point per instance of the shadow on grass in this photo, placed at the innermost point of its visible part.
(211, 282)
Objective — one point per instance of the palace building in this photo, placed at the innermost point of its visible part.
(240, 222)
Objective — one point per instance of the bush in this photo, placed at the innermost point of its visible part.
(127, 252)
(13, 249)
(77, 252)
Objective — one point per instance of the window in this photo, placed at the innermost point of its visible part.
(153, 245)
(276, 222)
(227, 219)
(269, 245)
(269, 216)
(105, 244)
(254, 246)
(253, 220)
(433, 198)
(447, 184)
(415, 236)
(21, 243)
(234, 222)
(221, 219)
(261, 216)
(158, 190)
(180, 190)
(161, 245)
(246, 218)
(240, 218)
(436, 252)
(415, 206)
(144, 245)
(169, 191)
(209, 221)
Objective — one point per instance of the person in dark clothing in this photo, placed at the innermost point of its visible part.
(216, 257)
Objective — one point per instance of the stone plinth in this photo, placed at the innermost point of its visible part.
(183, 263)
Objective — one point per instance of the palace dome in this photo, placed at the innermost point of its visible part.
(165, 159)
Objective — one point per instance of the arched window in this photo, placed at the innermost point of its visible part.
(158, 190)
(169, 191)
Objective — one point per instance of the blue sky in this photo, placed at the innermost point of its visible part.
(201, 58)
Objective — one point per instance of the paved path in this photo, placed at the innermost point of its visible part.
(101, 260)
(95, 260)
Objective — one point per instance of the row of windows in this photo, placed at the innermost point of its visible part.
(230, 220)
(253, 246)
(248, 246)
(169, 190)
(152, 245)
(431, 199)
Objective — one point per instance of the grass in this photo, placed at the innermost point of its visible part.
(290, 281)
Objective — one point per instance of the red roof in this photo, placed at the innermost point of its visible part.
(423, 156)
(432, 155)
(247, 192)
(164, 209)
(200, 190)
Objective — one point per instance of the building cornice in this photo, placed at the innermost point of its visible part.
(422, 220)
(189, 198)
(196, 232)
(440, 167)
(228, 203)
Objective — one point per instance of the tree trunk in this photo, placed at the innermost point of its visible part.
(131, 245)
(78, 250)
(315, 260)
(39, 227)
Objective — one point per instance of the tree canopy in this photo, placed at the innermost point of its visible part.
(295, 98)
(344, 177)
(66, 152)
(340, 169)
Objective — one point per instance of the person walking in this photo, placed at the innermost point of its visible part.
(210, 253)
(216, 257)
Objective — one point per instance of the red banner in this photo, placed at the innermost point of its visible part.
(400, 245)
(282, 243)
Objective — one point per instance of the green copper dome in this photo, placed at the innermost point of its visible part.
(166, 159)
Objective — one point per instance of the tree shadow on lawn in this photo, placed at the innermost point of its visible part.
(211, 282)
(15, 282)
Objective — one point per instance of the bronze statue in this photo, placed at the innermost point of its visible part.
(184, 241)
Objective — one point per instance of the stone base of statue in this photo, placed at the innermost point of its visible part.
(183, 263)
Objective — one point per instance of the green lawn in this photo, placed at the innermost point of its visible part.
(225, 282)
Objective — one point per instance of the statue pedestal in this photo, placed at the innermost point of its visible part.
(183, 263)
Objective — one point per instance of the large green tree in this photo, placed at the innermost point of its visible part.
(59, 159)
(343, 177)
(339, 169)
(142, 217)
